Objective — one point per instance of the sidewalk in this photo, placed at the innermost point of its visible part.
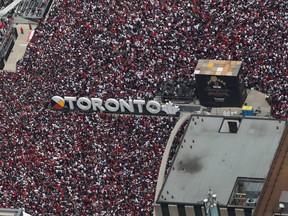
(19, 47)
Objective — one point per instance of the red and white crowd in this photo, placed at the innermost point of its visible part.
(64, 163)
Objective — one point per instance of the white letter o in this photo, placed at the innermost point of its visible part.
(81, 105)
(108, 106)
(153, 107)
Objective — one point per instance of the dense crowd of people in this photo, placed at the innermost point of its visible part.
(82, 164)
(124, 49)
(75, 163)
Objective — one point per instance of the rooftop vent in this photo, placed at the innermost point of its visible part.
(230, 125)
(251, 202)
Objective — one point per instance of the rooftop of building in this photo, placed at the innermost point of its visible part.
(274, 197)
(218, 67)
(210, 157)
